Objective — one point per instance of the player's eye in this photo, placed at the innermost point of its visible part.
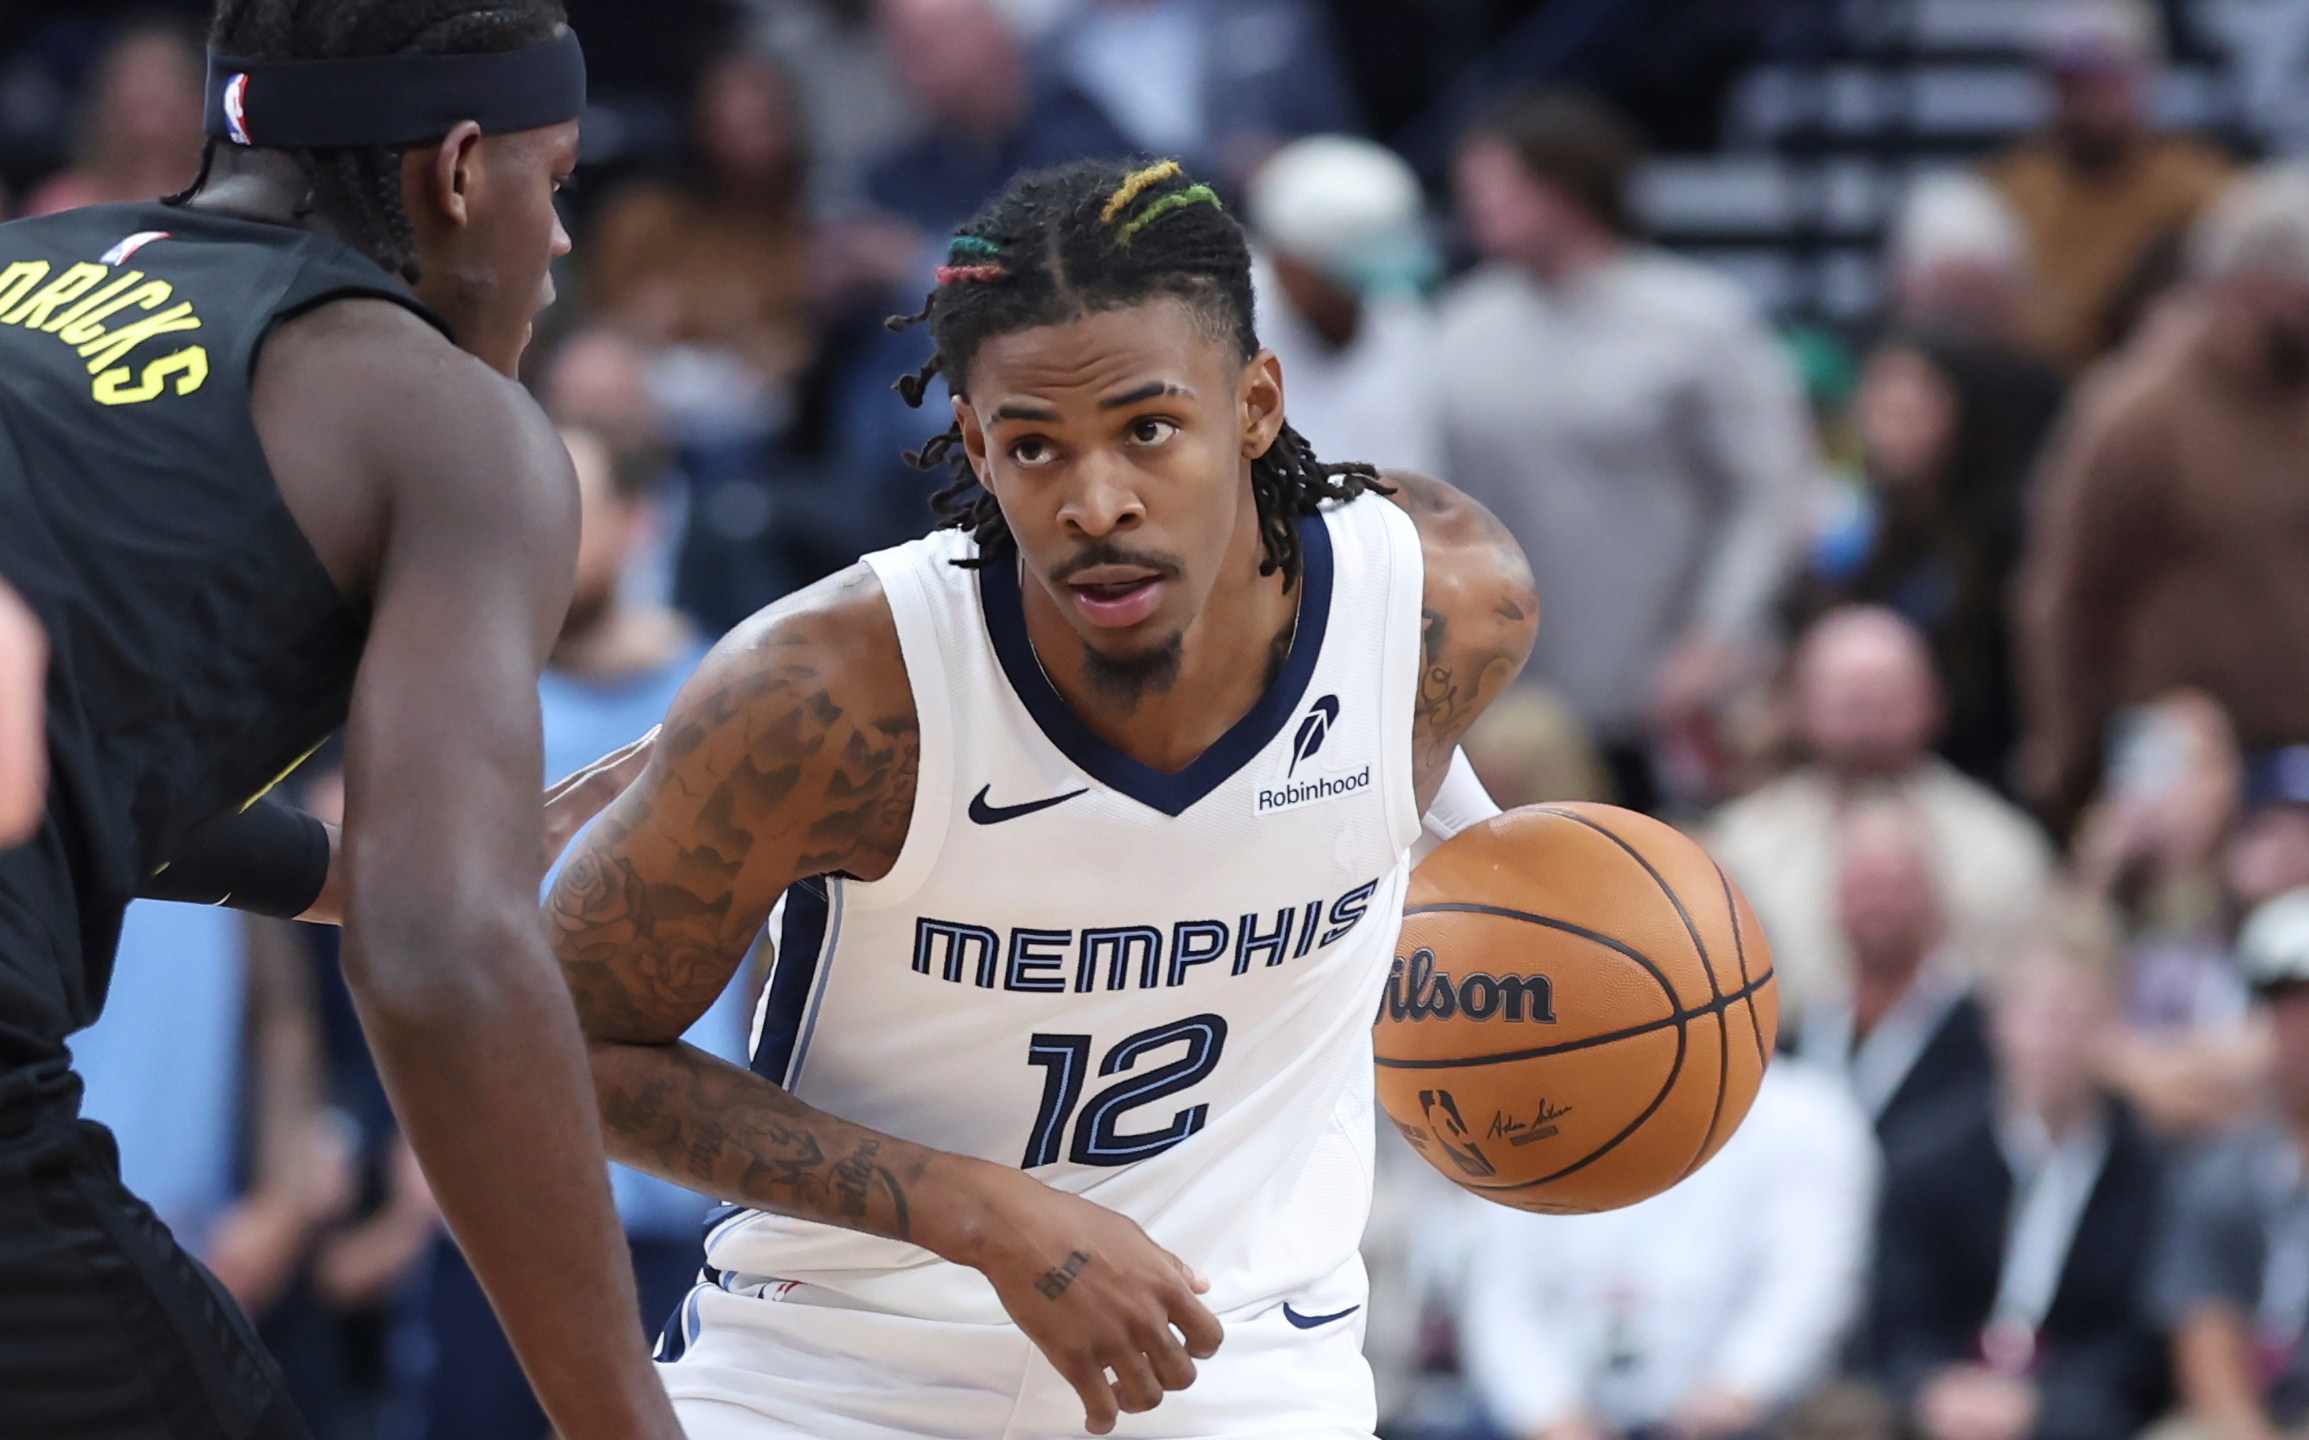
(1031, 451)
(1152, 430)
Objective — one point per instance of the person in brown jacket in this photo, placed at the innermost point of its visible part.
(2171, 544)
(2103, 198)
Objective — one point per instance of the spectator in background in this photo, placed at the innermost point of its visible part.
(2188, 1058)
(2100, 191)
(1949, 430)
(1903, 1030)
(2271, 852)
(2232, 1276)
(1702, 1312)
(614, 672)
(1341, 254)
(597, 379)
(2171, 548)
(852, 107)
(1630, 419)
(2012, 1248)
(985, 115)
(139, 133)
(1958, 261)
(1867, 708)
(1217, 83)
(719, 263)
(1529, 748)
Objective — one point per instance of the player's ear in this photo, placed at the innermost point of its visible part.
(973, 439)
(1261, 403)
(443, 177)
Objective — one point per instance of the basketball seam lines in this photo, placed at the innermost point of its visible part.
(1667, 1086)
(1707, 968)
(1681, 1017)
(1740, 945)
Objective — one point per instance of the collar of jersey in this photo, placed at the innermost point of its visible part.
(999, 599)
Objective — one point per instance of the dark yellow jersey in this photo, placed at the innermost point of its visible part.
(199, 648)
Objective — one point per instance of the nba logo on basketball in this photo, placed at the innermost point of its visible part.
(236, 98)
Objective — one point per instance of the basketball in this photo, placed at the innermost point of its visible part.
(1580, 1009)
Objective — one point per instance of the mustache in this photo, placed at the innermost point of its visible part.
(1106, 552)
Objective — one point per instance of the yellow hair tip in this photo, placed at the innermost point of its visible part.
(1134, 185)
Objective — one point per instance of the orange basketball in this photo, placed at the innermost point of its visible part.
(1580, 1009)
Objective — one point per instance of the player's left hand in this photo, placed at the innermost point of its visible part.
(573, 802)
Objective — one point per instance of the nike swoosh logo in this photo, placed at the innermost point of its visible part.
(982, 813)
(1309, 1322)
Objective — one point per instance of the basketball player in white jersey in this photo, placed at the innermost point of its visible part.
(1091, 818)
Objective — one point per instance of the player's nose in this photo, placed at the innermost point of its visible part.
(1101, 500)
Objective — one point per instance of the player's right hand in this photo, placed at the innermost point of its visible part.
(1107, 1305)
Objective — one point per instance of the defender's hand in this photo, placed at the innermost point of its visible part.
(573, 802)
(1095, 1294)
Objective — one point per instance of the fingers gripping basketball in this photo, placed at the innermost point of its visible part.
(1580, 1012)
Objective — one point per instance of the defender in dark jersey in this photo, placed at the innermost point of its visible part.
(263, 475)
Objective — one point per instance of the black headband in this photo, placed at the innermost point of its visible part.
(393, 100)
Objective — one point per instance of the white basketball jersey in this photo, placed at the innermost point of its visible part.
(1152, 990)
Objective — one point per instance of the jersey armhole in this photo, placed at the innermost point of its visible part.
(911, 612)
(1406, 599)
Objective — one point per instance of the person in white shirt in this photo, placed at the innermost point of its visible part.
(1708, 1308)
(1904, 1033)
(1628, 416)
(1341, 253)
(1867, 709)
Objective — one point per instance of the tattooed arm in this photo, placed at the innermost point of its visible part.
(792, 754)
(1476, 621)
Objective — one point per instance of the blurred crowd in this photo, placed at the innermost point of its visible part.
(1974, 640)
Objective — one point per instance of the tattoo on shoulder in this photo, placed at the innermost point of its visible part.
(646, 920)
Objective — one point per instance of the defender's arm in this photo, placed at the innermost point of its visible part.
(469, 520)
(23, 709)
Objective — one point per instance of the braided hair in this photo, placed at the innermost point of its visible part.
(1089, 237)
(362, 185)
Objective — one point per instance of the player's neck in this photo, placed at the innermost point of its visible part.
(263, 185)
(1227, 660)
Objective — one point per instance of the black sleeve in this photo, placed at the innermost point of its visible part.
(268, 859)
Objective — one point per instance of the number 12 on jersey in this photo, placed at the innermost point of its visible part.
(1098, 1135)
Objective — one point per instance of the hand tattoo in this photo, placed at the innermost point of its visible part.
(1055, 1280)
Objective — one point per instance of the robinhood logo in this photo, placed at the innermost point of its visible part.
(1306, 792)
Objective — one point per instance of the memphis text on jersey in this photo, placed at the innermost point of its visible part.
(1124, 957)
(105, 313)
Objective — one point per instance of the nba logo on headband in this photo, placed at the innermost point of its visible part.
(236, 99)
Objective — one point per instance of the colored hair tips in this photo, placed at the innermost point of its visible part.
(1134, 185)
(971, 247)
(953, 274)
(1192, 195)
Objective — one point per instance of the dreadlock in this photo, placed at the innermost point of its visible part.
(1094, 236)
(362, 185)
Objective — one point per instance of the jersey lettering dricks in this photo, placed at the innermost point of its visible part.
(1151, 990)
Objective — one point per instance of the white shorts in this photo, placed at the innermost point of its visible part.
(785, 1367)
